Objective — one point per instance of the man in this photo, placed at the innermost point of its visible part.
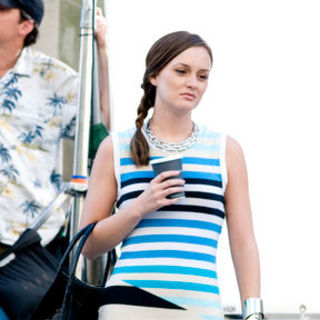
(37, 109)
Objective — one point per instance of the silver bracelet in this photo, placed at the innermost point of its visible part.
(252, 306)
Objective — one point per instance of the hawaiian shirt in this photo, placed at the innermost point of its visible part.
(37, 110)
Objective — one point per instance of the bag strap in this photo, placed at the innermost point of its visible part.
(84, 233)
(111, 261)
(83, 240)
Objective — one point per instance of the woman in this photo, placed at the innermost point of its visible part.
(167, 267)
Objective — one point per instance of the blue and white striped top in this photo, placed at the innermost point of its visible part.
(169, 259)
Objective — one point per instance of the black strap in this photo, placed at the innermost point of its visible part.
(84, 233)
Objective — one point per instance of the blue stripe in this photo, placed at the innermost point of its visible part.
(137, 174)
(186, 175)
(208, 317)
(145, 223)
(167, 269)
(202, 175)
(194, 302)
(124, 147)
(170, 238)
(207, 133)
(177, 254)
(126, 162)
(208, 148)
(127, 134)
(174, 285)
(185, 160)
(201, 161)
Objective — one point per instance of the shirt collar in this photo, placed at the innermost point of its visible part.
(24, 63)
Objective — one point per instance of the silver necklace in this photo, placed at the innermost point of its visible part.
(172, 146)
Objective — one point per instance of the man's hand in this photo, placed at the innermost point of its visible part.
(101, 29)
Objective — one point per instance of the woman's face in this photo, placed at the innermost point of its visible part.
(182, 82)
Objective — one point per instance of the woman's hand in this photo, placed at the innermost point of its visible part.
(155, 196)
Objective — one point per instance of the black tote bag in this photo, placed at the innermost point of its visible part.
(75, 299)
(26, 272)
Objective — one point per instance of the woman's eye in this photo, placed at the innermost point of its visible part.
(203, 77)
(181, 71)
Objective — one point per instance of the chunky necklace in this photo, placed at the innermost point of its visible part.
(169, 146)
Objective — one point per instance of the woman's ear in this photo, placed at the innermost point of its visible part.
(153, 80)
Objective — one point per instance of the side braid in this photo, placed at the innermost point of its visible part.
(139, 148)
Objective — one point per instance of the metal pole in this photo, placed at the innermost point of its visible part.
(80, 160)
(53, 205)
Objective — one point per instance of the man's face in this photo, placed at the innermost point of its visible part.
(12, 29)
(9, 23)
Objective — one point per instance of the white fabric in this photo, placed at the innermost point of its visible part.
(37, 110)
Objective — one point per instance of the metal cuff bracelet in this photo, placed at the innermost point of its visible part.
(252, 306)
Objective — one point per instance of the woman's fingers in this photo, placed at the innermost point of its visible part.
(171, 190)
(165, 184)
(165, 175)
(171, 183)
(155, 196)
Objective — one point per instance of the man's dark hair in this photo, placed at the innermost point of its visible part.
(32, 37)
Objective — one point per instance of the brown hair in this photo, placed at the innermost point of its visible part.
(32, 37)
(160, 54)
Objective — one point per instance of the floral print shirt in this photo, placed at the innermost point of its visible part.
(37, 110)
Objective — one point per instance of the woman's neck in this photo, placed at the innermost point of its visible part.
(170, 127)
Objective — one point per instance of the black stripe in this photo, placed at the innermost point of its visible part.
(135, 297)
(189, 194)
(128, 196)
(133, 181)
(189, 208)
(208, 182)
(204, 195)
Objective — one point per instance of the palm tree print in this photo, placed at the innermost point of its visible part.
(56, 102)
(8, 105)
(56, 179)
(13, 80)
(4, 154)
(38, 130)
(27, 137)
(44, 69)
(10, 172)
(30, 208)
(12, 93)
(68, 130)
(31, 135)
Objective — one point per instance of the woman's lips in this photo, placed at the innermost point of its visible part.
(188, 95)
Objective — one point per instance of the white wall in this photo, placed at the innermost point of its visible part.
(264, 91)
(48, 41)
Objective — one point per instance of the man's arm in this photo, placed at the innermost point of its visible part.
(100, 34)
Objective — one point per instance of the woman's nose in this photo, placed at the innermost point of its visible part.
(192, 81)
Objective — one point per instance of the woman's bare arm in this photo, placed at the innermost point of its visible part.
(238, 212)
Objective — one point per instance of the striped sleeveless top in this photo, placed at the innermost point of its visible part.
(167, 265)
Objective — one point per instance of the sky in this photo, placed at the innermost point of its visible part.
(264, 92)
